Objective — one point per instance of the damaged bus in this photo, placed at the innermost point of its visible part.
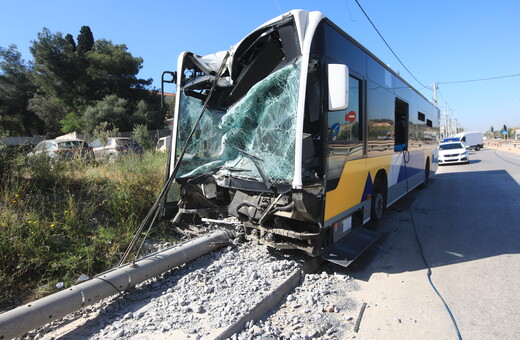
(300, 134)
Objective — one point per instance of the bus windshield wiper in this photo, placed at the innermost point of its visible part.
(255, 160)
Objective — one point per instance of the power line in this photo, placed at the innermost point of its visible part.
(440, 94)
(276, 2)
(391, 50)
(480, 79)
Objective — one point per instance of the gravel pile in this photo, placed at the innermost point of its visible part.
(317, 309)
(196, 301)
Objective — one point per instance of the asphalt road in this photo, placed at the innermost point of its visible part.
(468, 222)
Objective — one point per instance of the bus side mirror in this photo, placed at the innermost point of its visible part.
(338, 86)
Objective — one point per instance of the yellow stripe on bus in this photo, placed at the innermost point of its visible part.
(352, 184)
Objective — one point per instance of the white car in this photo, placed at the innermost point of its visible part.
(453, 152)
(115, 148)
(61, 149)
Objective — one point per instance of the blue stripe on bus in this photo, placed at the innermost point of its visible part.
(368, 188)
(413, 166)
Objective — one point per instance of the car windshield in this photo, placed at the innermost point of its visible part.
(70, 144)
(451, 146)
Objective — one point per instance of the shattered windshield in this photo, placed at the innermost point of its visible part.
(259, 128)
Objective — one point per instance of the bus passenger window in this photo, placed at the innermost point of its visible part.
(343, 126)
(401, 125)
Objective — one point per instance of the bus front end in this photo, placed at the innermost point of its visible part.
(237, 140)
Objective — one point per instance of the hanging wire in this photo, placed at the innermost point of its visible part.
(480, 79)
(390, 48)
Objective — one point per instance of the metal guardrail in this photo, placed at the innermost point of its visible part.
(503, 143)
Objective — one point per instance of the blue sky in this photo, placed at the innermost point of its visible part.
(438, 41)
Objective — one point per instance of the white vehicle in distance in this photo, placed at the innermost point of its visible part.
(61, 149)
(163, 144)
(115, 148)
(471, 139)
(451, 152)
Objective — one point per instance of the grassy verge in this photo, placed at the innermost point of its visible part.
(59, 221)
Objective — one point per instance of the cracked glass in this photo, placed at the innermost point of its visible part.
(259, 128)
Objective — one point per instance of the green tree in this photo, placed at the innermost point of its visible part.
(72, 122)
(148, 110)
(113, 70)
(16, 89)
(71, 79)
(111, 109)
(50, 110)
(141, 135)
(85, 40)
(142, 113)
(72, 43)
(103, 132)
(56, 68)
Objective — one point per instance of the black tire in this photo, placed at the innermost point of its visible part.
(378, 203)
(477, 148)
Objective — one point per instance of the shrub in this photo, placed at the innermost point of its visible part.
(61, 220)
(141, 135)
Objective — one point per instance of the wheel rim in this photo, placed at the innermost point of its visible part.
(379, 205)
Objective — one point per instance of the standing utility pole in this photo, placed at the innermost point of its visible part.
(447, 124)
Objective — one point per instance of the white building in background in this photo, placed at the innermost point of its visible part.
(516, 133)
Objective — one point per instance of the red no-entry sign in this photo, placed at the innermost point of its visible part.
(350, 117)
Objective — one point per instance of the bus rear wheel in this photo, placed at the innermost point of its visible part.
(378, 205)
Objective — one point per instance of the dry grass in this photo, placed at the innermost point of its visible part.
(59, 221)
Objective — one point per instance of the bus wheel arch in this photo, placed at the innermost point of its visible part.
(426, 174)
(379, 196)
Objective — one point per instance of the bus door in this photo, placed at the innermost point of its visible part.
(346, 165)
(398, 185)
(346, 184)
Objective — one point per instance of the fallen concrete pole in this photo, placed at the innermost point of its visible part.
(25, 318)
